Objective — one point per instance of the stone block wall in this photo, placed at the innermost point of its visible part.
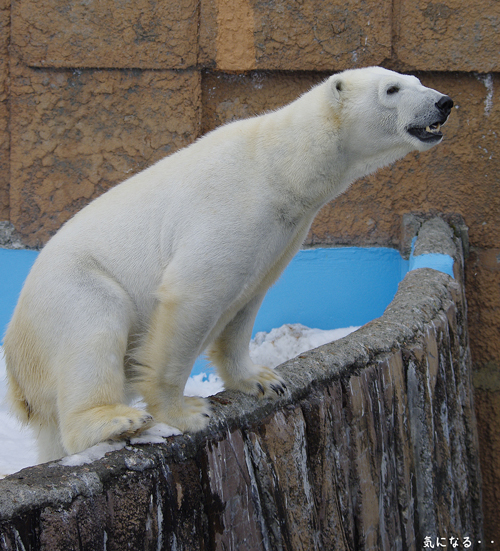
(92, 92)
(91, 128)
(144, 34)
(374, 448)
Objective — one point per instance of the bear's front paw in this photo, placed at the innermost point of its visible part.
(263, 382)
(192, 414)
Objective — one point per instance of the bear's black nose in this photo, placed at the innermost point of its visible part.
(445, 104)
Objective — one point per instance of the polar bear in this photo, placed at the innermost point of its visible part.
(178, 258)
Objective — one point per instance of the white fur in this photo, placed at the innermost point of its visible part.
(178, 258)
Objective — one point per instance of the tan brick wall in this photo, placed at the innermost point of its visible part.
(448, 36)
(322, 35)
(144, 33)
(4, 109)
(228, 97)
(77, 133)
(303, 36)
(99, 90)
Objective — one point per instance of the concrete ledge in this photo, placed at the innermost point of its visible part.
(374, 447)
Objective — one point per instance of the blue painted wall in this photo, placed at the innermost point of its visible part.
(14, 267)
(332, 288)
(320, 288)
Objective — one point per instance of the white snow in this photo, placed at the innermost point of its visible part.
(290, 340)
(18, 448)
(91, 454)
(154, 435)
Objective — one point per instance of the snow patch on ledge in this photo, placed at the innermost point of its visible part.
(154, 435)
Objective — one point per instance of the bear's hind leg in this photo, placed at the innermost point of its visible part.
(91, 394)
(91, 381)
(97, 424)
(49, 442)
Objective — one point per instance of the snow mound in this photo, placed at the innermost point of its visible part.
(290, 340)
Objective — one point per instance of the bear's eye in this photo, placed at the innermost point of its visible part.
(392, 90)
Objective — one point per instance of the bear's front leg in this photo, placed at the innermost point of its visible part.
(230, 354)
(165, 358)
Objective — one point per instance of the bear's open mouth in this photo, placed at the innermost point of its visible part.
(430, 133)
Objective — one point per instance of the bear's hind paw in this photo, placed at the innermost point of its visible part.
(110, 422)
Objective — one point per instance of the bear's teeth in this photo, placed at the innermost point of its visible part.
(433, 128)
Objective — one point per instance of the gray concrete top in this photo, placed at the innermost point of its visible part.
(435, 236)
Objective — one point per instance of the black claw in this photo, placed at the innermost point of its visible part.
(261, 388)
(278, 389)
(205, 415)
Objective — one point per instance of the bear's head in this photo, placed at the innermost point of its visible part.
(387, 111)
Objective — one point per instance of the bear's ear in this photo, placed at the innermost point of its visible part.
(337, 86)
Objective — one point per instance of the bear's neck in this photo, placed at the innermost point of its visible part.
(307, 153)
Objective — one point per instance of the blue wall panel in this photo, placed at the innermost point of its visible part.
(14, 267)
(321, 288)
